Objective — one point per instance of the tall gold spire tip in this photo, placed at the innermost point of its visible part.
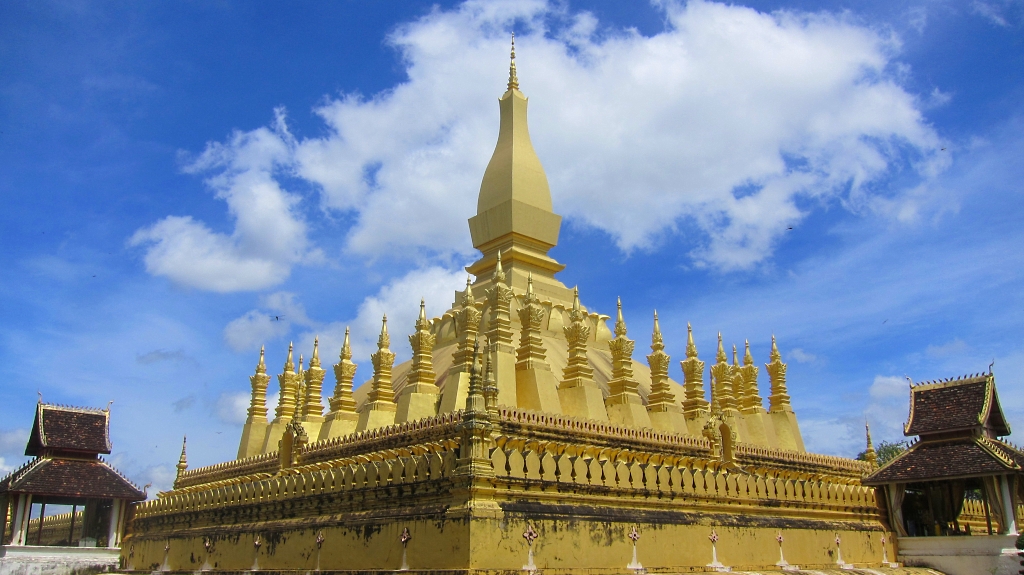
(513, 80)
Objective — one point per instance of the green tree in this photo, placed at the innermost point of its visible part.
(886, 451)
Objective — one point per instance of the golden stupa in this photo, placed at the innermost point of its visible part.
(520, 436)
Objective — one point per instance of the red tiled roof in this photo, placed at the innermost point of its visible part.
(953, 405)
(933, 460)
(91, 478)
(73, 429)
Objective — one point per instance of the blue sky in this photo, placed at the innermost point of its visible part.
(176, 174)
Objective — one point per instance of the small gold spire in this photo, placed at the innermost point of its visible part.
(289, 365)
(691, 348)
(529, 287)
(656, 339)
(182, 461)
(346, 349)
(513, 81)
(499, 273)
(576, 298)
(720, 357)
(734, 360)
(467, 298)
(869, 454)
(421, 322)
(620, 324)
(775, 355)
(748, 359)
(315, 360)
(300, 364)
(384, 341)
(261, 367)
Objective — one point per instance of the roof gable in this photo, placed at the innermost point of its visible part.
(88, 478)
(63, 428)
(955, 404)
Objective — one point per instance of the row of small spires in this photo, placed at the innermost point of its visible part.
(95, 410)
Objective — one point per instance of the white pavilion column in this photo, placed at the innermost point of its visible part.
(1010, 523)
(114, 532)
(19, 525)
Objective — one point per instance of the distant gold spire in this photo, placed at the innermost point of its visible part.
(779, 398)
(620, 324)
(182, 463)
(721, 357)
(289, 365)
(869, 454)
(467, 297)
(735, 361)
(313, 382)
(499, 273)
(384, 340)
(657, 342)
(288, 382)
(383, 360)
(775, 355)
(344, 371)
(577, 372)
(422, 343)
(747, 358)
(261, 367)
(691, 347)
(421, 321)
(315, 360)
(513, 81)
(259, 381)
(661, 397)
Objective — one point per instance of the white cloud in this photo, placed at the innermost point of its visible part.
(233, 407)
(12, 448)
(269, 234)
(279, 311)
(801, 356)
(748, 121)
(953, 348)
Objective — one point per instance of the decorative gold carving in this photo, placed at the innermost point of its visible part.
(344, 372)
(259, 382)
(578, 372)
(287, 381)
(779, 399)
(661, 397)
(693, 379)
(422, 343)
(313, 404)
(531, 353)
(750, 402)
(383, 360)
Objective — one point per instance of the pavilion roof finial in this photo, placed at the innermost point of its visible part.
(513, 81)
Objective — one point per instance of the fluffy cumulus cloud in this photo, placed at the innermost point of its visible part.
(277, 314)
(269, 234)
(726, 127)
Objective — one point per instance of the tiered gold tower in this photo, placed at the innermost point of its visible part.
(519, 412)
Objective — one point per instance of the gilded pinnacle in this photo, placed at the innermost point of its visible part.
(657, 342)
(182, 461)
(775, 355)
(620, 324)
(747, 358)
(691, 348)
(734, 360)
(529, 288)
(421, 322)
(346, 349)
(300, 364)
(721, 357)
(261, 367)
(384, 341)
(499, 273)
(289, 365)
(315, 360)
(467, 298)
(576, 298)
(513, 81)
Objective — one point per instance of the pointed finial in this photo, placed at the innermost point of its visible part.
(867, 431)
(529, 285)
(734, 360)
(346, 349)
(289, 365)
(261, 367)
(421, 321)
(576, 298)
(720, 357)
(182, 461)
(691, 348)
(315, 360)
(748, 359)
(620, 324)
(513, 81)
(300, 364)
(656, 336)
(467, 298)
(499, 273)
(384, 341)
(775, 355)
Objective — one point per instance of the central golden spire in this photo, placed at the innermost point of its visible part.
(514, 211)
